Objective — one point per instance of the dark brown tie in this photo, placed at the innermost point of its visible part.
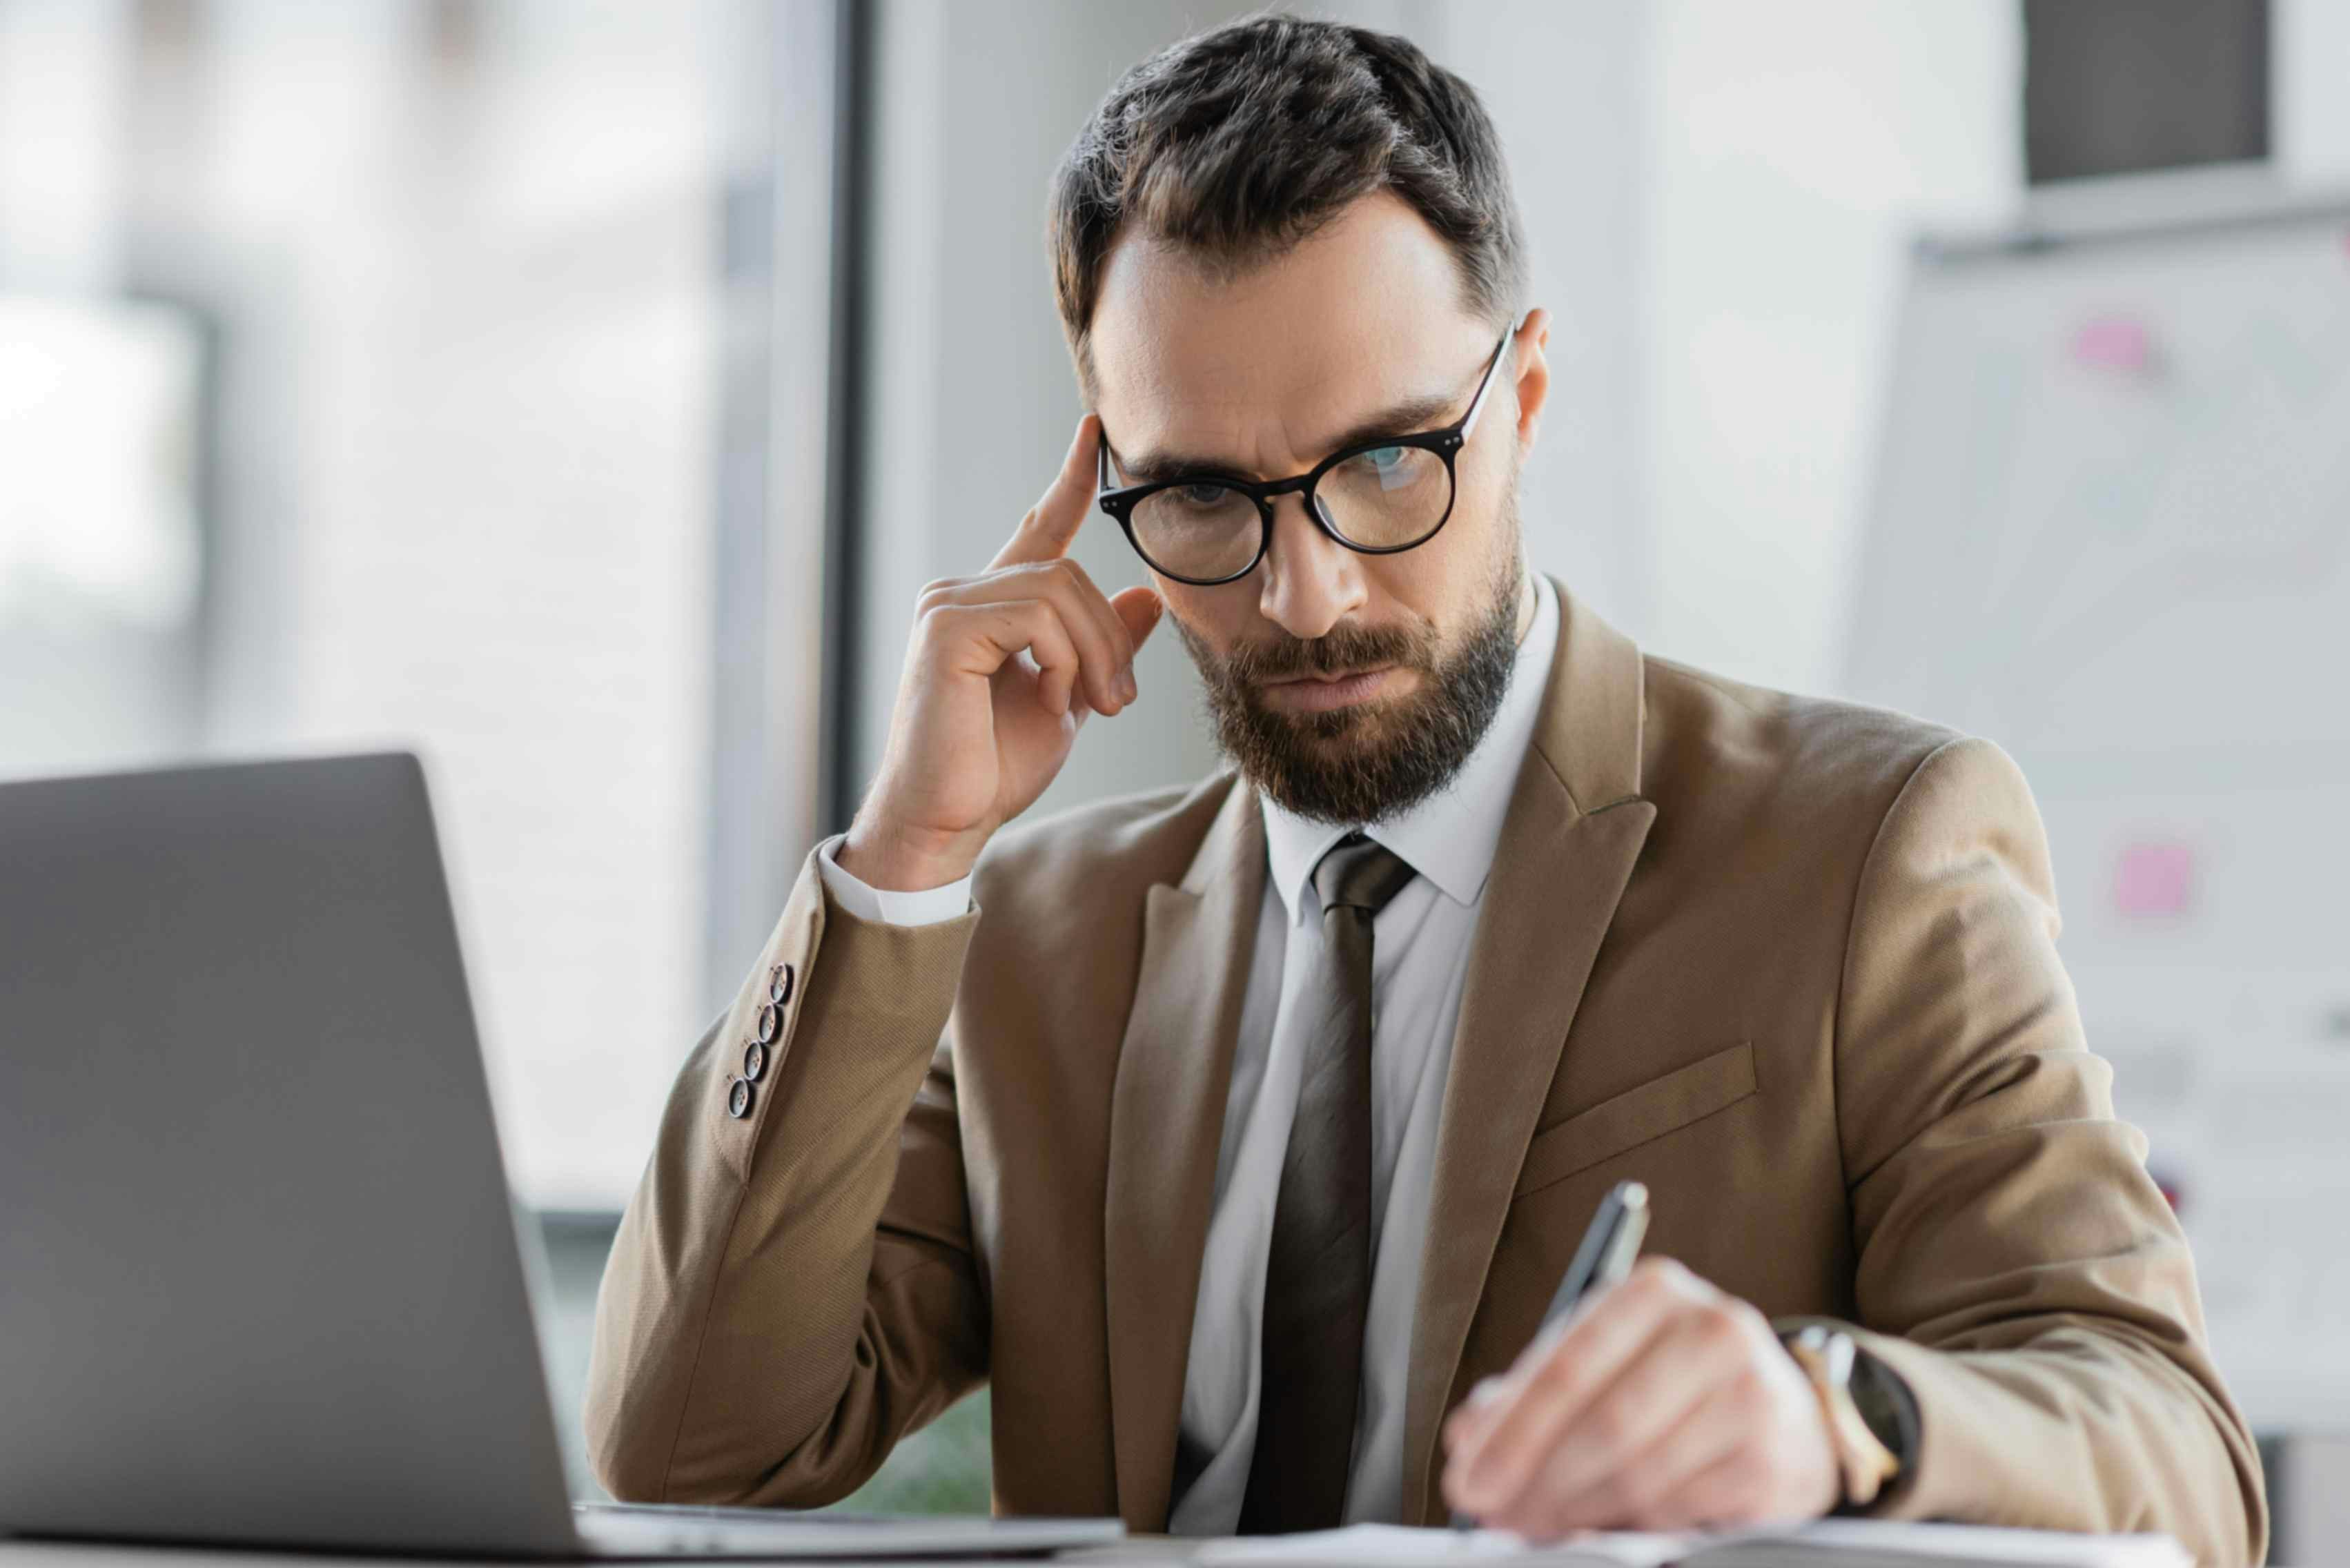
(1317, 1274)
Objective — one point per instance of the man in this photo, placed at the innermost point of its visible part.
(1238, 1134)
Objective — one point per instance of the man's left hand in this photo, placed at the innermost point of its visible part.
(1663, 1404)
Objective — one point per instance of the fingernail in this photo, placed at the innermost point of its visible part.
(1487, 1390)
(1126, 684)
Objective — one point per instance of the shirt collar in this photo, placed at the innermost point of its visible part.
(1450, 837)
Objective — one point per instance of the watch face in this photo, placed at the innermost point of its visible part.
(1882, 1399)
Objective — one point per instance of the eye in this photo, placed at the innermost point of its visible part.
(1387, 467)
(1201, 494)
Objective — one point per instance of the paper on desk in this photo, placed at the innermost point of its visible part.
(1402, 1546)
(1842, 1543)
(1866, 1542)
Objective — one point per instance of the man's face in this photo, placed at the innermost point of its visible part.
(1348, 687)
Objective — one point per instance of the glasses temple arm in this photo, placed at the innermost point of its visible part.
(1485, 387)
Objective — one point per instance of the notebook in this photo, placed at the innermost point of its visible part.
(1834, 1542)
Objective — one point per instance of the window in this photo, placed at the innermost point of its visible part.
(451, 435)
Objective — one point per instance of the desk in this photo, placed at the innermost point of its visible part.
(1142, 1551)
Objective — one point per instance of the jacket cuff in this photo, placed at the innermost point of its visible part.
(1950, 1471)
(883, 984)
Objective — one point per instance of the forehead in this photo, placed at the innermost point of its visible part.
(1266, 367)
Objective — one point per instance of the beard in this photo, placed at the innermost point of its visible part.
(1371, 760)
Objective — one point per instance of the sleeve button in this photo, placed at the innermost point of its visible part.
(769, 1020)
(738, 1098)
(754, 1061)
(779, 984)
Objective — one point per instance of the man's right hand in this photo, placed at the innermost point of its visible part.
(1001, 671)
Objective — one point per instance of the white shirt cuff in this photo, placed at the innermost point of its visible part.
(927, 907)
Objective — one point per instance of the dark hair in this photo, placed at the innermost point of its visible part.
(1237, 144)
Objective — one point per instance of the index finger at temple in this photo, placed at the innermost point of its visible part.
(1044, 534)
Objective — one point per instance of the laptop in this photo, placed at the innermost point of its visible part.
(261, 1278)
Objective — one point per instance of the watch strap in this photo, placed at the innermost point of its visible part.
(1864, 1463)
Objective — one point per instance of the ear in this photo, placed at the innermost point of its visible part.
(1531, 357)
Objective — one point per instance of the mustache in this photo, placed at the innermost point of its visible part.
(1341, 648)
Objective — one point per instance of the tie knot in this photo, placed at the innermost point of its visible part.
(1358, 874)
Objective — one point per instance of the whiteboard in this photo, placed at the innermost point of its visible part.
(2110, 530)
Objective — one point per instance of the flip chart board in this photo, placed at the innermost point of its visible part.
(2110, 530)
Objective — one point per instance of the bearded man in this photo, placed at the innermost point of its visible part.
(1237, 1135)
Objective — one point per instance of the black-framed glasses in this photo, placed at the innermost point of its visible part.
(1379, 496)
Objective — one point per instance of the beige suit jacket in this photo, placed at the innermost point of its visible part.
(1791, 963)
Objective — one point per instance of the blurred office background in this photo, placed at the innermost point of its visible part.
(579, 393)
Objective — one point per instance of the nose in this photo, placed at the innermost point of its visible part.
(1311, 581)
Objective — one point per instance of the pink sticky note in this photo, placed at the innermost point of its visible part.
(2115, 343)
(2154, 879)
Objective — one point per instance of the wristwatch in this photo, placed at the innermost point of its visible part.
(1865, 1459)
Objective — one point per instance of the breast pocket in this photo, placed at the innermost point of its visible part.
(1639, 1115)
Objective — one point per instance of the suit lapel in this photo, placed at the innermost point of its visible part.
(1167, 1114)
(1573, 831)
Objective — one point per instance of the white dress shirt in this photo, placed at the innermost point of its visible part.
(1420, 946)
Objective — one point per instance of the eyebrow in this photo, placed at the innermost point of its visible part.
(1412, 416)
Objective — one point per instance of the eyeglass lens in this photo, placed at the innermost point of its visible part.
(1381, 499)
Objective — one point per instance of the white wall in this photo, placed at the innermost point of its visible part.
(1798, 145)
(63, 70)
(2310, 71)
